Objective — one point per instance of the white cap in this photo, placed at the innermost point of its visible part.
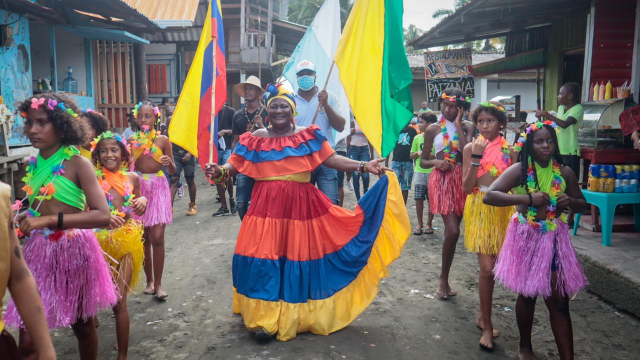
(305, 65)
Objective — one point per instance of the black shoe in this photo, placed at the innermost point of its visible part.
(232, 205)
(263, 336)
(223, 211)
(217, 199)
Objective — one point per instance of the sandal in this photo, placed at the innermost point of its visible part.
(428, 230)
(417, 232)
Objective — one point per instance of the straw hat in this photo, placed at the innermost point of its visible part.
(251, 80)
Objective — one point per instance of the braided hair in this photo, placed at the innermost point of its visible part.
(526, 156)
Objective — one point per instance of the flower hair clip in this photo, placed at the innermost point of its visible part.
(454, 98)
(51, 104)
(532, 128)
(135, 109)
(488, 104)
(36, 103)
(109, 135)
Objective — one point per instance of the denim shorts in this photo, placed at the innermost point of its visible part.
(189, 166)
(404, 172)
(223, 156)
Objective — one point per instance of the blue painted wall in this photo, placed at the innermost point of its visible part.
(15, 71)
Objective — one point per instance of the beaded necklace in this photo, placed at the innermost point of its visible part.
(549, 224)
(251, 125)
(144, 139)
(450, 149)
(121, 177)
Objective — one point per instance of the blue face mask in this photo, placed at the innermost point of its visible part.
(306, 82)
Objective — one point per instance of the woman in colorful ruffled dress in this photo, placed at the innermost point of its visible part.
(301, 263)
(485, 226)
(537, 258)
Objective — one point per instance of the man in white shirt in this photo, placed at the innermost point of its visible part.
(307, 99)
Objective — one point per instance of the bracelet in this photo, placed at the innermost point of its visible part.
(476, 156)
(60, 220)
(223, 177)
(475, 163)
(362, 168)
(530, 200)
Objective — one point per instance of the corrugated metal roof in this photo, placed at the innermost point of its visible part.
(163, 10)
(33, 8)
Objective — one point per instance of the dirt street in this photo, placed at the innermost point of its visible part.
(404, 321)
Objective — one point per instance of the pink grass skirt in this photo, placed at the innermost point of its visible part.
(445, 191)
(525, 263)
(71, 274)
(156, 189)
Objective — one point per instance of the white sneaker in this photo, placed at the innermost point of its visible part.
(350, 185)
(180, 192)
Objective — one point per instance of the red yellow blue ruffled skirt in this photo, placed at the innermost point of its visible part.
(302, 264)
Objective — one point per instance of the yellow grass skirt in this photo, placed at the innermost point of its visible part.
(120, 242)
(485, 227)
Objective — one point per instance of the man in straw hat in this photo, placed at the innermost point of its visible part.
(250, 117)
(307, 98)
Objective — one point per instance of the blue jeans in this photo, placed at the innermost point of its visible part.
(244, 187)
(341, 173)
(360, 153)
(404, 172)
(327, 182)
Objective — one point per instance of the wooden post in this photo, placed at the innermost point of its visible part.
(53, 66)
(212, 126)
(140, 72)
(324, 88)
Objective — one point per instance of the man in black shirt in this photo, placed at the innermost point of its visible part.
(225, 124)
(402, 164)
(249, 118)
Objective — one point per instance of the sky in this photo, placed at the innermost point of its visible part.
(418, 12)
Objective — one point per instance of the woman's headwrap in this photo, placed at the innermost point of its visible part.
(277, 91)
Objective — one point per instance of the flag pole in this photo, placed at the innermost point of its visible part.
(324, 88)
(212, 126)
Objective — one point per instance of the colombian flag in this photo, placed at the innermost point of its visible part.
(190, 125)
(375, 72)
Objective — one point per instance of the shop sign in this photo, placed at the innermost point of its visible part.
(448, 68)
(630, 120)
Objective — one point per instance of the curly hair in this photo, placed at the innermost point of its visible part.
(99, 123)
(428, 117)
(125, 156)
(453, 91)
(491, 110)
(70, 130)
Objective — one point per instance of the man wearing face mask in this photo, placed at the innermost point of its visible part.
(307, 99)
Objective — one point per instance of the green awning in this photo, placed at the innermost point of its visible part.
(527, 60)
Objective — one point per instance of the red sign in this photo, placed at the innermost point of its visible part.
(630, 120)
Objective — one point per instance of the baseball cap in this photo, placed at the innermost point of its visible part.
(305, 65)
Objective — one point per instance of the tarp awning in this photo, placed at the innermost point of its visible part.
(484, 19)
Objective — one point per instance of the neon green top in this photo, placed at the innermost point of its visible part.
(568, 138)
(40, 176)
(416, 145)
(545, 180)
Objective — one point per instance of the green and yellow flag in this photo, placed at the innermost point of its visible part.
(375, 72)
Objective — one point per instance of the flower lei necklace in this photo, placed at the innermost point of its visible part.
(549, 224)
(144, 139)
(450, 148)
(506, 159)
(121, 176)
(47, 191)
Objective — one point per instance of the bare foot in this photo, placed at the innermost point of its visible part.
(161, 294)
(149, 289)
(480, 325)
(444, 291)
(525, 354)
(486, 341)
